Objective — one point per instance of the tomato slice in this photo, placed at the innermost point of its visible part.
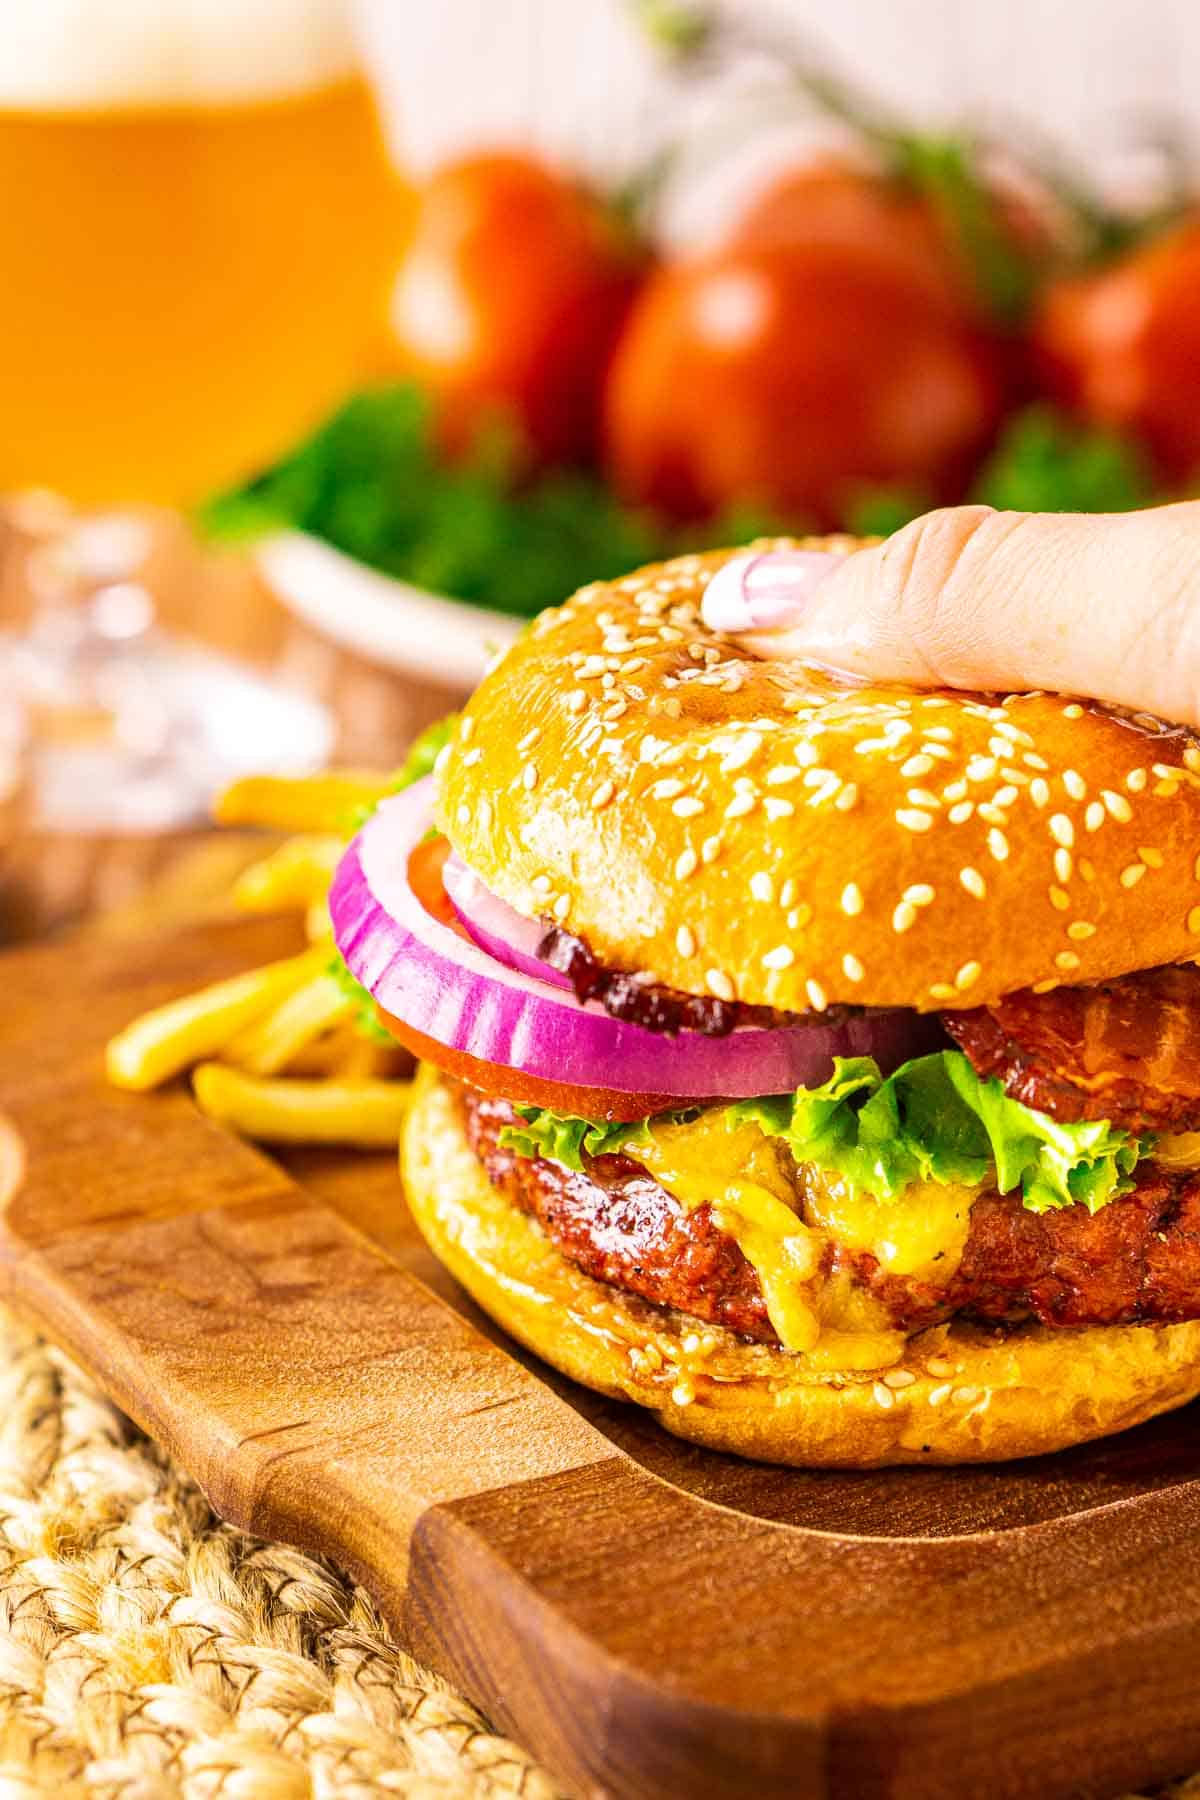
(529, 1090)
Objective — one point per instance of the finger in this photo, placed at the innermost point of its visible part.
(1106, 605)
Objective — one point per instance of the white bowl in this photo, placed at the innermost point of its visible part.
(387, 621)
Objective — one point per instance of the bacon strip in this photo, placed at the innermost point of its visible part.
(1126, 1050)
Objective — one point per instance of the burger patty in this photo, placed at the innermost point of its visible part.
(1136, 1260)
(1126, 1050)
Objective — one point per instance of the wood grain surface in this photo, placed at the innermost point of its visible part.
(651, 1619)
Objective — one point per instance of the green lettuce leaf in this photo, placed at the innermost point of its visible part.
(935, 1119)
(564, 1139)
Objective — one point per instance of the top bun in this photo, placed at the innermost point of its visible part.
(757, 830)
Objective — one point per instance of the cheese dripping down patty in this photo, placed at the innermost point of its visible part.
(784, 1226)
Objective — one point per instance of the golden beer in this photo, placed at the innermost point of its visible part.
(184, 287)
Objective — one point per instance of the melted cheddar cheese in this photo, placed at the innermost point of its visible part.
(785, 1230)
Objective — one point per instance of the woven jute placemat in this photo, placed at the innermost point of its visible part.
(148, 1651)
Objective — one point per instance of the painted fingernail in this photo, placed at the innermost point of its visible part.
(764, 591)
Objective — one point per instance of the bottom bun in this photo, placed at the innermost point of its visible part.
(960, 1394)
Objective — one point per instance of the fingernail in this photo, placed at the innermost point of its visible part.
(764, 591)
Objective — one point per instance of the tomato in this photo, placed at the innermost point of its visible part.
(507, 301)
(528, 1090)
(788, 377)
(1122, 346)
(840, 203)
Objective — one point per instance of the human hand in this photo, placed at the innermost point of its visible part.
(1106, 605)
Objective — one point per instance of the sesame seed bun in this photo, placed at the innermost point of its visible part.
(960, 1393)
(759, 831)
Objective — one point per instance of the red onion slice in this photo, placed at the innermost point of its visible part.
(505, 934)
(454, 992)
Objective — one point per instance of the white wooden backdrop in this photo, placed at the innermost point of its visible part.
(574, 76)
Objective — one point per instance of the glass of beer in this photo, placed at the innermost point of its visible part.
(199, 218)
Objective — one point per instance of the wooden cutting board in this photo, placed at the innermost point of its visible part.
(651, 1619)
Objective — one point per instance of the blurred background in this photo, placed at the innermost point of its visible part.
(336, 339)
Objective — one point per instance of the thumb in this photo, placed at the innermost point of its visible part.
(1106, 605)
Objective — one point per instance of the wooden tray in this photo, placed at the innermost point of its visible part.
(651, 1619)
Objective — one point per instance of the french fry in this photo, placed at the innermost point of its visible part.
(268, 1044)
(161, 1043)
(307, 803)
(318, 926)
(297, 874)
(366, 1114)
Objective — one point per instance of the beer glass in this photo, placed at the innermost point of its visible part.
(198, 220)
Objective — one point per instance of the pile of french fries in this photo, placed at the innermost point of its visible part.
(287, 1054)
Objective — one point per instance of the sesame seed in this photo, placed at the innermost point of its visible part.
(1059, 899)
(914, 821)
(939, 1367)
(1132, 874)
(847, 797)
(973, 881)
(1136, 780)
(1034, 762)
(1191, 758)
(762, 886)
(1063, 864)
(682, 1394)
(994, 815)
(942, 990)
(1062, 830)
(965, 1395)
(782, 957)
(981, 768)
(852, 968)
(805, 754)
(916, 766)
(541, 884)
(883, 1395)
(852, 900)
(485, 814)
(686, 863)
(1039, 791)
(1152, 858)
(529, 776)
(816, 995)
(954, 790)
(1095, 816)
(1066, 960)
(778, 809)
(463, 814)
(1117, 805)
(904, 917)
(562, 907)
(920, 894)
(958, 815)
(1005, 796)
(799, 916)
(1074, 783)
(787, 892)
(997, 843)
(923, 797)
(603, 794)
(666, 789)
(718, 983)
(967, 976)
(1074, 711)
(688, 807)
(1193, 920)
(1165, 790)
(466, 728)
(899, 1378)
(472, 757)
(685, 941)
(1080, 930)
(710, 849)
(942, 733)
(938, 1394)
(529, 740)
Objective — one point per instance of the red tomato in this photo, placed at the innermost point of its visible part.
(1122, 346)
(528, 1090)
(789, 376)
(835, 202)
(507, 302)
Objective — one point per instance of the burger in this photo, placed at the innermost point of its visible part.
(815, 1065)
